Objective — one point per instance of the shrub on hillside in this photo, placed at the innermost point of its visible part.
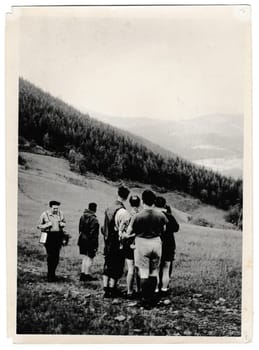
(235, 216)
(21, 160)
(202, 222)
(77, 162)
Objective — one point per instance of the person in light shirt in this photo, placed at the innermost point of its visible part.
(52, 222)
(129, 248)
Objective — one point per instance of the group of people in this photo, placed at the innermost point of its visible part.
(142, 236)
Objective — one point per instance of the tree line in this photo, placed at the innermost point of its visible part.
(91, 145)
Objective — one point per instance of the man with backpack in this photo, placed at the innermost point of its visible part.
(88, 240)
(52, 222)
(114, 258)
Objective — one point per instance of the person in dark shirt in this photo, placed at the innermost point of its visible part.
(168, 245)
(88, 240)
(148, 226)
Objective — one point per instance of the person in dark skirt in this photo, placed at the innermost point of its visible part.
(52, 222)
(88, 240)
(168, 245)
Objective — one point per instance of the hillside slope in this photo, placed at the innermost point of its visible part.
(54, 178)
(105, 150)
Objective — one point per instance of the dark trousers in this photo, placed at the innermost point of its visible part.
(53, 246)
(114, 264)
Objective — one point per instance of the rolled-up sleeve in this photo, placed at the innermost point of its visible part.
(62, 219)
(43, 222)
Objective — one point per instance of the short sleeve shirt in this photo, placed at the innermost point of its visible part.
(121, 217)
(149, 223)
(55, 219)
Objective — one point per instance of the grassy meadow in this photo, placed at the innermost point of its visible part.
(205, 297)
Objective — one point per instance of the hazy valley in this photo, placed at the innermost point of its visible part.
(213, 141)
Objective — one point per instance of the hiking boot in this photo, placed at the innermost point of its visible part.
(82, 277)
(138, 294)
(130, 296)
(164, 293)
(90, 278)
(146, 304)
(133, 296)
(107, 292)
(51, 278)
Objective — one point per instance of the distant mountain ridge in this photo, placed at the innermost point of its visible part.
(147, 143)
(215, 141)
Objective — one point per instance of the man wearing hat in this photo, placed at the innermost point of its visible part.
(52, 221)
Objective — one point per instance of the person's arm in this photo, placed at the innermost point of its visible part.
(62, 222)
(44, 223)
(175, 225)
(130, 230)
(80, 227)
(94, 233)
(104, 228)
(165, 220)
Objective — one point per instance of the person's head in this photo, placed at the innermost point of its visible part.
(123, 193)
(54, 206)
(148, 198)
(92, 207)
(160, 202)
(134, 201)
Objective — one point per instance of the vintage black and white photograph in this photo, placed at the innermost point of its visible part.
(131, 162)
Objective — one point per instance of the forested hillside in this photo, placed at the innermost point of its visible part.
(94, 146)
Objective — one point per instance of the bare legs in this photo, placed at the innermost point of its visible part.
(132, 272)
(86, 265)
(165, 276)
(130, 276)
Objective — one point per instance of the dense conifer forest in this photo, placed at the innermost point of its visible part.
(94, 146)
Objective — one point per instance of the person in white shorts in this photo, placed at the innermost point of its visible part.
(147, 226)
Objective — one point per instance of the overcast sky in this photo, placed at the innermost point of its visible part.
(156, 62)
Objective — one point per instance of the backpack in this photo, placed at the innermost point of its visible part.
(109, 231)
